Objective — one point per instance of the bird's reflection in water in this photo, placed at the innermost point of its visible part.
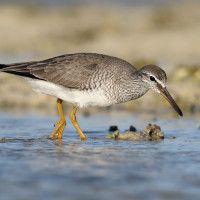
(60, 146)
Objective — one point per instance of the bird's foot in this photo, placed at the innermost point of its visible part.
(57, 133)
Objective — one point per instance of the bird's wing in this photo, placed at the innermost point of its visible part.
(71, 71)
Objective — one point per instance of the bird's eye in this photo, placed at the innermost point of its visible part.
(152, 78)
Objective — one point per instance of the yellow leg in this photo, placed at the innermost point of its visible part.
(57, 134)
(74, 122)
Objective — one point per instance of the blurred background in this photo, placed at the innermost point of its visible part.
(159, 32)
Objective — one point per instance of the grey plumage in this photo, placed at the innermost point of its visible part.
(119, 80)
(83, 71)
(76, 71)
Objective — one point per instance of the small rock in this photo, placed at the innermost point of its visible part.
(132, 128)
(130, 136)
(113, 128)
(154, 132)
(151, 133)
(3, 140)
(113, 135)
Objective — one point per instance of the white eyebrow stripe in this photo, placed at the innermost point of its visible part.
(157, 80)
(161, 83)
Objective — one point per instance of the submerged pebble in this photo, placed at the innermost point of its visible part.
(3, 140)
(151, 133)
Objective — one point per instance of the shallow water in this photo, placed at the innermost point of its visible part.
(34, 167)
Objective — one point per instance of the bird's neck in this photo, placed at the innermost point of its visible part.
(139, 88)
(129, 89)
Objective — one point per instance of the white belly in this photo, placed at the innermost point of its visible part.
(79, 98)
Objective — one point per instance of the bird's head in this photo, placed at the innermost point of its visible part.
(155, 79)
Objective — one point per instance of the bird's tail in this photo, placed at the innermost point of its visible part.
(19, 69)
(2, 66)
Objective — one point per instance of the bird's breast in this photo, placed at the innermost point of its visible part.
(81, 98)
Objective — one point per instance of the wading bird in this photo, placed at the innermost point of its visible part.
(89, 79)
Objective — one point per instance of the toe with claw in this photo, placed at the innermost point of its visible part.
(57, 133)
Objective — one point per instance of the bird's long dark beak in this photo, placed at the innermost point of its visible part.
(164, 92)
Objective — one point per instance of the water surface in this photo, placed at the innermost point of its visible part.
(34, 167)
